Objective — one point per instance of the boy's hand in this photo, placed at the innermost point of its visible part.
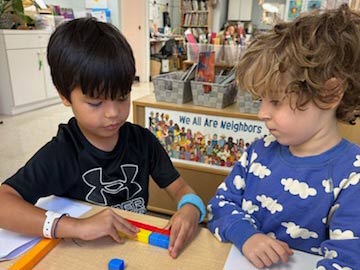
(262, 250)
(184, 226)
(104, 223)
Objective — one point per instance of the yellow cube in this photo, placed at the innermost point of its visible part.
(143, 236)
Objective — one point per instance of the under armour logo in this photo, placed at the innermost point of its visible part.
(99, 187)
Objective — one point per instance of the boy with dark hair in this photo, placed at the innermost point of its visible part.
(299, 187)
(97, 156)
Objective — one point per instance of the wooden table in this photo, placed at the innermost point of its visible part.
(205, 252)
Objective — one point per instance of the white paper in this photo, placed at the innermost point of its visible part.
(13, 244)
(299, 261)
(19, 246)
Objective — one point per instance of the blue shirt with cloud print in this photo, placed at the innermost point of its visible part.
(312, 203)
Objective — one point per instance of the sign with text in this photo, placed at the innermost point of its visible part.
(203, 138)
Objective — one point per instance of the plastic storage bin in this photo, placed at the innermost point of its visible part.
(168, 87)
(227, 55)
(220, 96)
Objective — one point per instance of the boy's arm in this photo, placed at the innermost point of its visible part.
(184, 223)
(20, 216)
(227, 219)
(229, 222)
(341, 250)
(17, 214)
(178, 189)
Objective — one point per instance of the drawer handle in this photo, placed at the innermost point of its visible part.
(39, 61)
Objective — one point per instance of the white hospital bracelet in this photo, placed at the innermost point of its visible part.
(48, 224)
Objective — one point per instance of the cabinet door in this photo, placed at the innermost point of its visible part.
(239, 10)
(49, 86)
(27, 77)
(135, 29)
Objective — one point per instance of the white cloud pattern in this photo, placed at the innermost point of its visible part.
(269, 203)
(316, 250)
(248, 218)
(296, 232)
(357, 161)
(221, 197)
(295, 187)
(223, 203)
(339, 267)
(268, 140)
(327, 184)
(259, 170)
(341, 235)
(353, 180)
(243, 159)
(223, 186)
(239, 182)
(253, 157)
(249, 207)
(330, 254)
(217, 235)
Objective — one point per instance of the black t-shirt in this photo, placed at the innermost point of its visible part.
(70, 166)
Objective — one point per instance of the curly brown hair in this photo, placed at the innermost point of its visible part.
(314, 49)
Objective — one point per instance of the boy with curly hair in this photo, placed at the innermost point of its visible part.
(298, 187)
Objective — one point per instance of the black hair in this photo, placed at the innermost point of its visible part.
(91, 55)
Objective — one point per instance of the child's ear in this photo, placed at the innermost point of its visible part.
(334, 86)
(64, 100)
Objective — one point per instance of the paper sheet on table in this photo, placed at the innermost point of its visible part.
(299, 261)
(13, 244)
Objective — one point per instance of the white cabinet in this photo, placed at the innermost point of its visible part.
(25, 82)
(239, 10)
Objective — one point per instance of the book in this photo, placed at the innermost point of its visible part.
(189, 36)
(212, 37)
(229, 77)
(195, 5)
(206, 69)
(189, 74)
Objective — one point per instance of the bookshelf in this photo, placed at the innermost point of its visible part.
(195, 14)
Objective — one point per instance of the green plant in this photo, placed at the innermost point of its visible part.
(16, 8)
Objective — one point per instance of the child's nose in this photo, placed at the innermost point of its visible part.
(264, 113)
(111, 109)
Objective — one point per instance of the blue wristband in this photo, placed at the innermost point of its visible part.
(194, 200)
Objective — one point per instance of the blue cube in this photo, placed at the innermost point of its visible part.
(159, 240)
(116, 264)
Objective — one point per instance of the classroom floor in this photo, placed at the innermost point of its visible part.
(22, 135)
